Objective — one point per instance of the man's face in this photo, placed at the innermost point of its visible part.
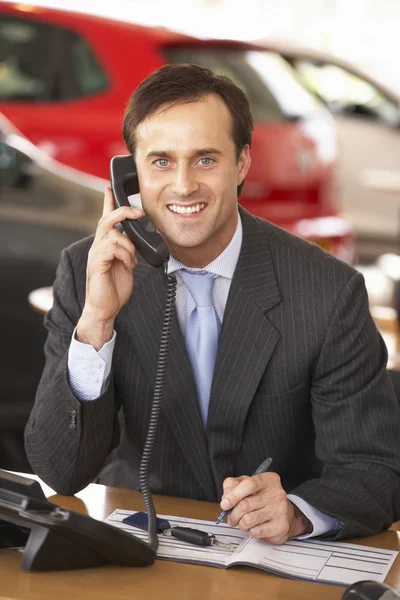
(188, 175)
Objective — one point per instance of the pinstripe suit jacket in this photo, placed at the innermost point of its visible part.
(300, 375)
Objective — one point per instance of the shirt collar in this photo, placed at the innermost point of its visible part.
(225, 264)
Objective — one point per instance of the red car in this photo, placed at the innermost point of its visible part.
(65, 79)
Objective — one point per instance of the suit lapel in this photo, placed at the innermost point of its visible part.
(144, 314)
(247, 342)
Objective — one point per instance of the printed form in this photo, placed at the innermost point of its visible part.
(315, 560)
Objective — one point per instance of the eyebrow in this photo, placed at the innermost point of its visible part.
(199, 152)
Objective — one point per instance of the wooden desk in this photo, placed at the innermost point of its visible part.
(164, 579)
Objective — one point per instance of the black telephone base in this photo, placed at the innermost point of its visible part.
(49, 551)
(12, 536)
(56, 539)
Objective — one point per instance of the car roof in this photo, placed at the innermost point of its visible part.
(291, 50)
(62, 17)
(160, 34)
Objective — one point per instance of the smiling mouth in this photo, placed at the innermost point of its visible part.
(186, 210)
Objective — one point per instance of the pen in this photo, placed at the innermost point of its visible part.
(263, 468)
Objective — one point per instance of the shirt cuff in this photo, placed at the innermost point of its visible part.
(88, 370)
(321, 522)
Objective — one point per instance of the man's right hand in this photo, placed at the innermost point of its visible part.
(109, 276)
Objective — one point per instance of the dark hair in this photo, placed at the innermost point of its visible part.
(178, 83)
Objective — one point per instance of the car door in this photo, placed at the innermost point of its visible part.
(55, 91)
(367, 120)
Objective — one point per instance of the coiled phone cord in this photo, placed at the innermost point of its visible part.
(155, 410)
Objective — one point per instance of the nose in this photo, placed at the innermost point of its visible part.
(184, 182)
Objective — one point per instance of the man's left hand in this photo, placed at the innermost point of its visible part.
(262, 508)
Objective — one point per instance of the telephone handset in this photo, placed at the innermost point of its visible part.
(124, 183)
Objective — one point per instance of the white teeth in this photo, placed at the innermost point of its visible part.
(186, 210)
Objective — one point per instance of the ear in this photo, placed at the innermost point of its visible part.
(243, 164)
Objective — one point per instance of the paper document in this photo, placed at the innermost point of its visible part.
(316, 560)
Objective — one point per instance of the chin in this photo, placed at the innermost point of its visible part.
(186, 241)
(189, 244)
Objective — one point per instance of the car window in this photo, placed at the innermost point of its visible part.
(346, 93)
(23, 65)
(80, 73)
(44, 63)
(268, 81)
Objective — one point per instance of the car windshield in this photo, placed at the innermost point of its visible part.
(268, 81)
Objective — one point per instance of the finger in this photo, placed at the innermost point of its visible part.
(247, 506)
(273, 501)
(248, 487)
(123, 240)
(111, 247)
(270, 523)
(255, 518)
(113, 237)
(108, 204)
(125, 235)
(231, 482)
(263, 508)
(108, 221)
(122, 255)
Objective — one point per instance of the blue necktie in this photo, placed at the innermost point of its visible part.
(202, 335)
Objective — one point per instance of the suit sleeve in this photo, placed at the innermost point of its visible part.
(357, 422)
(68, 440)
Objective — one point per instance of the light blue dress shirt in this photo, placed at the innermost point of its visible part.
(89, 370)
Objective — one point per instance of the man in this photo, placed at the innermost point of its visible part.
(299, 374)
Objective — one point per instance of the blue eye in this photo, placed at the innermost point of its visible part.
(207, 159)
(162, 162)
